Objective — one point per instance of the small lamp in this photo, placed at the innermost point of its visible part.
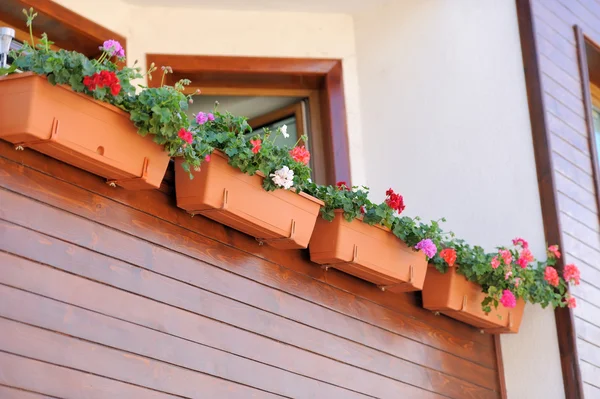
(6, 36)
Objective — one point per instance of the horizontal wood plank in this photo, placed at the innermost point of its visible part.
(61, 350)
(14, 393)
(49, 379)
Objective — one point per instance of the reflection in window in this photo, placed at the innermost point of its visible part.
(292, 130)
(596, 117)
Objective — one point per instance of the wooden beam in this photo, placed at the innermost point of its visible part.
(567, 344)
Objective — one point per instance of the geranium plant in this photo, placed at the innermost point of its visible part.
(505, 275)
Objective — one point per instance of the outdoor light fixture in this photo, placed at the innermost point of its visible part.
(6, 36)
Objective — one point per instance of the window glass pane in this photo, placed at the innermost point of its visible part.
(596, 117)
(281, 141)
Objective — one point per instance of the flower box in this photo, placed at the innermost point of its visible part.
(452, 294)
(280, 218)
(371, 253)
(78, 130)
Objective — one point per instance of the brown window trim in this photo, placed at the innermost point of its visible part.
(565, 326)
(318, 79)
(64, 27)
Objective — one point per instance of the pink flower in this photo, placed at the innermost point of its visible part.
(551, 276)
(525, 257)
(428, 247)
(520, 242)
(553, 251)
(572, 274)
(300, 154)
(113, 47)
(506, 256)
(495, 262)
(507, 275)
(185, 135)
(517, 281)
(256, 144)
(207, 158)
(202, 118)
(571, 302)
(508, 299)
(211, 117)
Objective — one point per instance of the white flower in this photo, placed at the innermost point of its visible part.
(284, 131)
(283, 177)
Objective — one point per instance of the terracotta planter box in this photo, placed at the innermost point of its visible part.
(78, 130)
(452, 294)
(281, 218)
(371, 253)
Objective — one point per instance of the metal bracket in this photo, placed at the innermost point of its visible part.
(411, 275)
(290, 237)
(114, 183)
(326, 267)
(53, 133)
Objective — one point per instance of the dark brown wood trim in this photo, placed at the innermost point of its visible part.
(252, 73)
(500, 365)
(66, 28)
(548, 196)
(581, 41)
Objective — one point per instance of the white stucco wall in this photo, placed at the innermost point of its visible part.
(446, 123)
(437, 109)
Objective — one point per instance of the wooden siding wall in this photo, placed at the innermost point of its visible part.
(106, 293)
(554, 22)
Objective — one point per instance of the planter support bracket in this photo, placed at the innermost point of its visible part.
(290, 237)
(352, 262)
(221, 208)
(53, 133)
(115, 182)
(411, 275)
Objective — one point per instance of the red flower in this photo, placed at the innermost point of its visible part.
(363, 209)
(256, 144)
(185, 135)
(342, 185)
(449, 255)
(572, 274)
(571, 302)
(115, 89)
(525, 257)
(300, 154)
(394, 201)
(101, 80)
(553, 251)
(551, 276)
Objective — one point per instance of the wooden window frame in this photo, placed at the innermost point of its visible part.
(64, 27)
(320, 80)
(588, 50)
